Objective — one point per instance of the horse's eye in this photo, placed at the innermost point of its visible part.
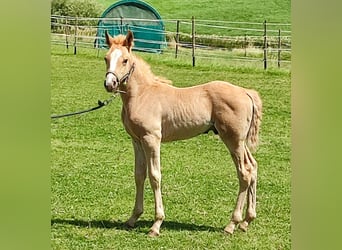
(125, 61)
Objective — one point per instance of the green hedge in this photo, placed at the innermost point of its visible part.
(76, 8)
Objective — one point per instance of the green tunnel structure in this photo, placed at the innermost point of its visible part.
(139, 17)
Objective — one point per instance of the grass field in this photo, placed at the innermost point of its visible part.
(250, 11)
(228, 10)
(92, 183)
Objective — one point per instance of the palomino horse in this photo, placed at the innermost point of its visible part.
(154, 112)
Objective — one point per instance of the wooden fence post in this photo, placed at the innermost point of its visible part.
(193, 41)
(245, 45)
(177, 38)
(121, 25)
(66, 29)
(75, 41)
(279, 48)
(265, 45)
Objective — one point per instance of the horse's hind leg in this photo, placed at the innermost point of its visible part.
(251, 193)
(140, 176)
(238, 154)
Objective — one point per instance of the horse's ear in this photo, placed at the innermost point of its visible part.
(108, 38)
(129, 40)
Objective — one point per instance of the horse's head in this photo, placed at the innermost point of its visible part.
(118, 60)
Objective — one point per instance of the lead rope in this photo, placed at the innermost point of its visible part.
(100, 105)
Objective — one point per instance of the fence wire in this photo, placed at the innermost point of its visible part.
(214, 39)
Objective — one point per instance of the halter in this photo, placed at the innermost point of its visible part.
(125, 77)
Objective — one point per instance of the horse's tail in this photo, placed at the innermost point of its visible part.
(253, 132)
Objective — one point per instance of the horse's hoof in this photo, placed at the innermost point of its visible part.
(243, 226)
(153, 233)
(229, 229)
(129, 225)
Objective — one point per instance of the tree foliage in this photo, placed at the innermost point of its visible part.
(76, 8)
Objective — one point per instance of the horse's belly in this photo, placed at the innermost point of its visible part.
(183, 130)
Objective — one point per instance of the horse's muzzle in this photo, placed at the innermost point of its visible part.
(110, 87)
(111, 82)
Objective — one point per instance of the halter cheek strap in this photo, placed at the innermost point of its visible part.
(125, 77)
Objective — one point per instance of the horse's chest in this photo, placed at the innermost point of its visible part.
(130, 125)
(138, 124)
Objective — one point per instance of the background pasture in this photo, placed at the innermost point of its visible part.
(233, 31)
(92, 182)
(229, 10)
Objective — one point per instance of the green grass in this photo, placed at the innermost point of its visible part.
(229, 10)
(273, 11)
(92, 182)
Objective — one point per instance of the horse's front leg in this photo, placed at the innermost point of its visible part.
(151, 145)
(140, 176)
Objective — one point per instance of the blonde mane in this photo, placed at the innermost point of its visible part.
(119, 40)
(146, 72)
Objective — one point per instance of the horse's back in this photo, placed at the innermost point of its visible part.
(227, 95)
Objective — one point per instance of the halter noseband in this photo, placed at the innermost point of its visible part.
(124, 78)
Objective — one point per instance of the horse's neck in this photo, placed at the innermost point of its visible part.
(134, 86)
(142, 76)
(140, 81)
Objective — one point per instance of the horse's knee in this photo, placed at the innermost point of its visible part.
(140, 177)
(154, 173)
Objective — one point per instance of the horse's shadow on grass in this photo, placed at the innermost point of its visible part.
(106, 224)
